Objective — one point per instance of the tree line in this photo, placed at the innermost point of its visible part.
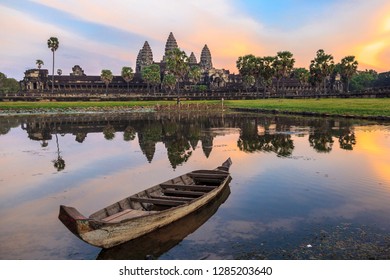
(266, 73)
(261, 72)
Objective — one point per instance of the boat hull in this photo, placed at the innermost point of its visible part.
(109, 234)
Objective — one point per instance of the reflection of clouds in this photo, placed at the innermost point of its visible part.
(219, 230)
(376, 150)
(250, 229)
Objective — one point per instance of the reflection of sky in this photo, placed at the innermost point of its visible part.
(268, 192)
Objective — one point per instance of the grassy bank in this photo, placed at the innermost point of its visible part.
(336, 106)
(350, 106)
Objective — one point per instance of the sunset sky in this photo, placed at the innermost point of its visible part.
(104, 34)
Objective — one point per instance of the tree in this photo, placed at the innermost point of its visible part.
(53, 45)
(151, 75)
(283, 65)
(169, 82)
(127, 74)
(106, 76)
(363, 79)
(348, 68)
(195, 74)
(321, 67)
(248, 67)
(39, 63)
(248, 81)
(8, 85)
(267, 71)
(177, 65)
(302, 74)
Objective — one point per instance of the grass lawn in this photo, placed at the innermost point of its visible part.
(348, 106)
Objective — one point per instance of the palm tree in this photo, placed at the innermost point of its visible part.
(53, 45)
(302, 74)
(195, 74)
(348, 68)
(152, 75)
(169, 82)
(322, 66)
(248, 68)
(283, 65)
(127, 75)
(106, 76)
(267, 71)
(39, 63)
(177, 65)
(248, 81)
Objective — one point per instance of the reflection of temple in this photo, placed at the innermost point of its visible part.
(182, 133)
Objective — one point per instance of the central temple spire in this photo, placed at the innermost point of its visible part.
(170, 45)
(205, 59)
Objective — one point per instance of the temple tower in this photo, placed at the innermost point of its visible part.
(170, 45)
(205, 59)
(192, 59)
(144, 58)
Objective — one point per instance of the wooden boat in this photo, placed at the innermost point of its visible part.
(148, 210)
(156, 243)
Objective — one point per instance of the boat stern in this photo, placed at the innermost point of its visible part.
(74, 220)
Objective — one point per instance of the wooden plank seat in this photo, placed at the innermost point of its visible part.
(208, 175)
(172, 197)
(203, 188)
(126, 214)
(158, 201)
(168, 191)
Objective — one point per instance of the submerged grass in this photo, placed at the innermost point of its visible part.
(346, 106)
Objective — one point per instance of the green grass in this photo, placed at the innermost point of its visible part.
(348, 106)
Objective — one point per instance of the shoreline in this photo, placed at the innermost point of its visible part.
(368, 109)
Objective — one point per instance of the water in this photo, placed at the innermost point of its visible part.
(302, 187)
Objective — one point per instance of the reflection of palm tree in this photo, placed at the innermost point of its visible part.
(321, 142)
(283, 145)
(44, 143)
(109, 132)
(80, 137)
(280, 144)
(59, 163)
(129, 133)
(347, 141)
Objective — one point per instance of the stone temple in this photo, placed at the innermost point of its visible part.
(37, 80)
(145, 56)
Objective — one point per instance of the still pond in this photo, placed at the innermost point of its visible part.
(302, 188)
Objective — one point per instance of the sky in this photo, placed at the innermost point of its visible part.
(102, 34)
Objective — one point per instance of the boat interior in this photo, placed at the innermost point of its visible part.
(172, 193)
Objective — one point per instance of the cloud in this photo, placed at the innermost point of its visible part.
(110, 33)
(26, 42)
(194, 23)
